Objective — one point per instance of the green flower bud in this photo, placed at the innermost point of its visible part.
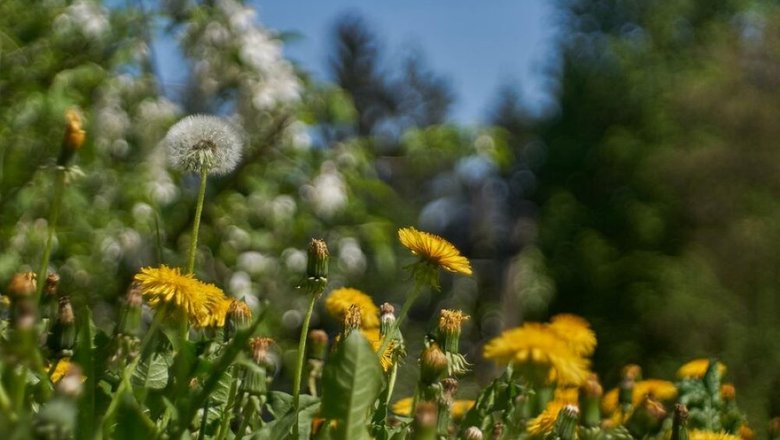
(317, 266)
(566, 423)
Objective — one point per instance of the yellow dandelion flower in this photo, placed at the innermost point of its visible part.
(566, 394)
(576, 331)
(697, 368)
(339, 300)
(217, 312)
(165, 285)
(373, 336)
(537, 346)
(403, 407)
(434, 250)
(451, 320)
(545, 422)
(710, 435)
(62, 368)
(459, 408)
(658, 389)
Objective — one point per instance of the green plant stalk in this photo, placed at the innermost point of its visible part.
(204, 173)
(245, 418)
(301, 357)
(54, 214)
(223, 425)
(203, 420)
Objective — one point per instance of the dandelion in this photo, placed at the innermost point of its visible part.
(697, 368)
(710, 435)
(545, 422)
(434, 250)
(387, 357)
(540, 353)
(200, 141)
(658, 389)
(576, 331)
(403, 407)
(460, 408)
(217, 313)
(168, 286)
(450, 322)
(339, 301)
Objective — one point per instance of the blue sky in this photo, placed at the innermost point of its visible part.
(477, 45)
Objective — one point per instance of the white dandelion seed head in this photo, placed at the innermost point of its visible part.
(200, 140)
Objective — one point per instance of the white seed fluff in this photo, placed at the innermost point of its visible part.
(199, 140)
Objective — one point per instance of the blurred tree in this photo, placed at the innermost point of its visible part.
(657, 184)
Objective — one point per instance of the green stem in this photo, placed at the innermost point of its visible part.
(203, 420)
(299, 364)
(245, 418)
(226, 413)
(54, 214)
(204, 172)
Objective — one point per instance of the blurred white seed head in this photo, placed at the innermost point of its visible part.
(200, 140)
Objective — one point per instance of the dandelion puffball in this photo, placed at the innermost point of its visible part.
(200, 140)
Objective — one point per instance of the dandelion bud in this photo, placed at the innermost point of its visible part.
(317, 264)
(386, 315)
(626, 392)
(74, 136)
(425, 417)
(679, 422)
(130, 320)
(646, 418)
(239, 317)
(63, 336)
(450, 322)
(260, 351)
(566, 423)
(498, 430)
(449, 386)
(22, 285)
(728, 392)
(632, 371)
(589, 400)
(318, 344)
(52, 283)
(200, 141)
(255, 380)
(472, 433)
(433, 363)
(745, 433)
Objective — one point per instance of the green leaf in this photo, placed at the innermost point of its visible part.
(151, 373)
(351, 381)
(280, 405)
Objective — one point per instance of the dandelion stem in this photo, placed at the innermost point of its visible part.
(299, 364)
(59, 189)
(204, 172)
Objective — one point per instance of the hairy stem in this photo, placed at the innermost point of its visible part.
(204, 172)
(299, 364)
